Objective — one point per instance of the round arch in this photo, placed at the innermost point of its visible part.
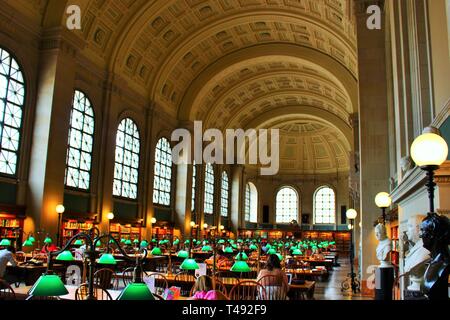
(279, 202)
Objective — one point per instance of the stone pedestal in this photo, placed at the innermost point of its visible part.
(384, 281)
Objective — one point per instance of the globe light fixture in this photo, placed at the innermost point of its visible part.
(429, 151)
(383, 201)
(192, 224)
(110, 216)
(153, 220)
(205, 226)
(60, 209)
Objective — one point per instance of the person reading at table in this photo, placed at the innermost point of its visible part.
(204, 289)
(279, 281)
(7, 256)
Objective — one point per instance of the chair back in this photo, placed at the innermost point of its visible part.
(160, 282)
(276, 289)
(247, 290)
(82, 293)
(6, 291)
(103, 278)
(185, 280)
(217, 285)
(127, 275)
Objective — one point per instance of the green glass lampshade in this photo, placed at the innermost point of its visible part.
(186, 242)
(253, 247)
(268, 246)
(297, 252)
(228, 250)
(128, 242)
(65, 256)
(78, 242)
(161, 242)
(111, 241)
(231, 241)
(154, 241)
(98, 244)
(123, 240)
(234, 246)
(136, 291)
(332, 242)
(240, 266)
(189, 264)
(239, 240)
(32, 239)
(48, 285)
(176, 242)
(198, 242)
(206, 248)
(280, 257)
(241, 256)
(221, 241)
(280, 245)
(156, 251)
(136, 241)
(107, 258)
(27, 243)
(144, 243)
(48, 240)
(5, 242)
(272, 251)
(183, 254)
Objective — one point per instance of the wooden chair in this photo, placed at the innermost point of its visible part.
(103, 278)
(127, 275)
(217, 285)
(6, 291)
(161, 283)
(185, 281)
(276, 289)
(82, 293)
(247, 290)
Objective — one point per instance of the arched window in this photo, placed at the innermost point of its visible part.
(193, 186)
(163, 173)
(324, 206)
(81, 140)
(251, 203)
(126, 169)
(12, 99)
(224, 195)
(209, 189)
(286, 205)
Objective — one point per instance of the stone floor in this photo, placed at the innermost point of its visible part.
(331, 289)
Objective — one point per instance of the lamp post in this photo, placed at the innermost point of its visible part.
(60, 210)
(110, 216)
(383, 201)
(354, 284)
(429, 151)
(152, 222)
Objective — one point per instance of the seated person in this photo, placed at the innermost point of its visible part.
(204, 289)
(7, 256)
(273, 284)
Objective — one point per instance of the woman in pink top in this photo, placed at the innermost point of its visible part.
(204, 289)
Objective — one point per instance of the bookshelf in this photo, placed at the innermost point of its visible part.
(71, 227)
(125, 231)
(11, 227)
(395, 245)
(159, 233)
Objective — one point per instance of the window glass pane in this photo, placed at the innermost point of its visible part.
(163, 172)
(193, 187)
(209, 189)
(224, 195)
(286, 205)
(12, 97)
(126, 169)
(324, 206)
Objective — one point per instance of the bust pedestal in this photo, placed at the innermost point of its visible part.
(384, 281)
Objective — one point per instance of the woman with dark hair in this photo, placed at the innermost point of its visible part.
(273, 278)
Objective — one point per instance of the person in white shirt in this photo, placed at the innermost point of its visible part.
(7, 256)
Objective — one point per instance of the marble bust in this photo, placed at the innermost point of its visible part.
(384, 246)
(417, 256)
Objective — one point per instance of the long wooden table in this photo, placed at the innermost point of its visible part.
(22, 293)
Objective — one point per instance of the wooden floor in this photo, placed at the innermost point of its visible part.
(331, 289)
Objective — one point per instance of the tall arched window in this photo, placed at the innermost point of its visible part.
(194, 181)
(209, 189)
(325, 206)
(126, 169)
(224, 195)
(286, 205)
(163, 173)
(251, 203)
(12, 99)
(80, 143)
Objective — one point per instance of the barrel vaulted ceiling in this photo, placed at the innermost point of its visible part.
(231, 62)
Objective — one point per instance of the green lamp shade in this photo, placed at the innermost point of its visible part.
(111, 241)
(231, 241)
(272, 251)
(228, 250)
(107, 258)
(189, 264)
(186, 242)
(128, 242)
(280, 257)
(27, 243)
(136, 241)
(48, 240)
(332, 242)
(144, 243)
(123, 240)
(206, 248)
(154, 241)
(234, 246)
(177, 241)
(98, 243)
(183, 254)
(240, 266)
(241, 256)
(65, 256)
(161, 241)
(136, 291)
(221, 241)
(280, 245)
(156, 251)
(5, 242)
(297, 252)
(239, 241)
(253, 247)
(32, 239)
(78, 242)
(268, 246)
(48, 285)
